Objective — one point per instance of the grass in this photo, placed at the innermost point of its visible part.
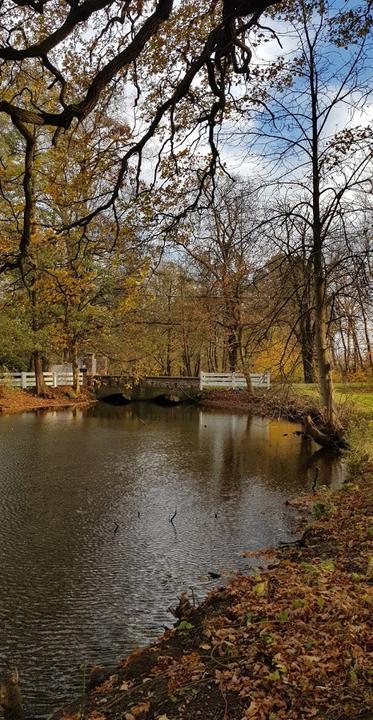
(355, 405)
(357, 396)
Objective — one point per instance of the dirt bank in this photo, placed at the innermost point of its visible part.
(289, 644)
(270, 403)
(13, 400)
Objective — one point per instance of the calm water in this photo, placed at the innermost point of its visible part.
(71, 588)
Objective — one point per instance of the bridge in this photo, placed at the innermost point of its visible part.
(170, 390)
(122, 388)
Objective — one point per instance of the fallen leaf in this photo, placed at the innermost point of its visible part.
(125, 686)
(140, 710)
(260, 588)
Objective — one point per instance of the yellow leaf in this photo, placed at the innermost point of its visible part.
(140, 710)
(260, 588)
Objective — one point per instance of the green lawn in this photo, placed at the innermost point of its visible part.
(356, 395)
(355, 401)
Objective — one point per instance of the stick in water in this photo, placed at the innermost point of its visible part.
(173, 516)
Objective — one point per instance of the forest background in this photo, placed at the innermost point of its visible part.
(187, 186)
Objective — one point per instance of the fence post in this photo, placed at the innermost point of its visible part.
(55, 379)
(201, 380)
(23, 380)
(233, 381)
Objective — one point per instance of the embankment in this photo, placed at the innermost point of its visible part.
(13, 400)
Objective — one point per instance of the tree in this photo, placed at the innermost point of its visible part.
(111, 41)
(221, 243)
(296, 99)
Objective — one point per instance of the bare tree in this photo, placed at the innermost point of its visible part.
(320, 170)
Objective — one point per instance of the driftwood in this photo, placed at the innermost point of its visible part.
(10, 696)
(183, 609)
(325, 437)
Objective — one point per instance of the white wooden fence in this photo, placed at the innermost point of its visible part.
(26, 380)
(222, 381)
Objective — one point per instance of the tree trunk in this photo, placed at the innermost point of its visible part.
(307, 362)
(322, 438)
(368, 343)
(306, 339)
(28, 266)
(168, 353)
(197, 364)
(319, 274)
(232, 350)
(366, 333)
(322, 346)
(345, 358)
(41, 388)
(307, 343)
(75, 366)
(246, 371)
(169, 333)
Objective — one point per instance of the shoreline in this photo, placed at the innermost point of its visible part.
(15, 400)
(266, 403)
(287, 643)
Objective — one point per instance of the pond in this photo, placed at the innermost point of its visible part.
(89, 559)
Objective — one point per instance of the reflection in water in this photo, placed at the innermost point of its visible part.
(71, 588)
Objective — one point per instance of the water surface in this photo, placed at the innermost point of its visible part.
(89, 559)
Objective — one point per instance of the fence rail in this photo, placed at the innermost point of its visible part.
(26, 380)
(233, 380)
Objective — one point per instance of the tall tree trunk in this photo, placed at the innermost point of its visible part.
(246, 371)
(168, 353)
(169, 334)
(322, 345)
(366, 332)
(307, 362)
(306, 339)
(41, 388)
(357, 352)
(75, 366)
(232, 349)
(345, 356)
(368, 343)
(319, 274)
(197, 364)
(28, 264)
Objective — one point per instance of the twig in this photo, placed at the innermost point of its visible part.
(173, 516)
(139, 418)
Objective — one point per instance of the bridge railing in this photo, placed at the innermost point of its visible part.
(222, 381)
(176, 380)
(26, 380)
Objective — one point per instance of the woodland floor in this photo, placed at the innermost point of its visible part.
(13, 400)
(292, 643)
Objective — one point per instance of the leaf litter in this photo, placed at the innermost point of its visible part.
(293, 642)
